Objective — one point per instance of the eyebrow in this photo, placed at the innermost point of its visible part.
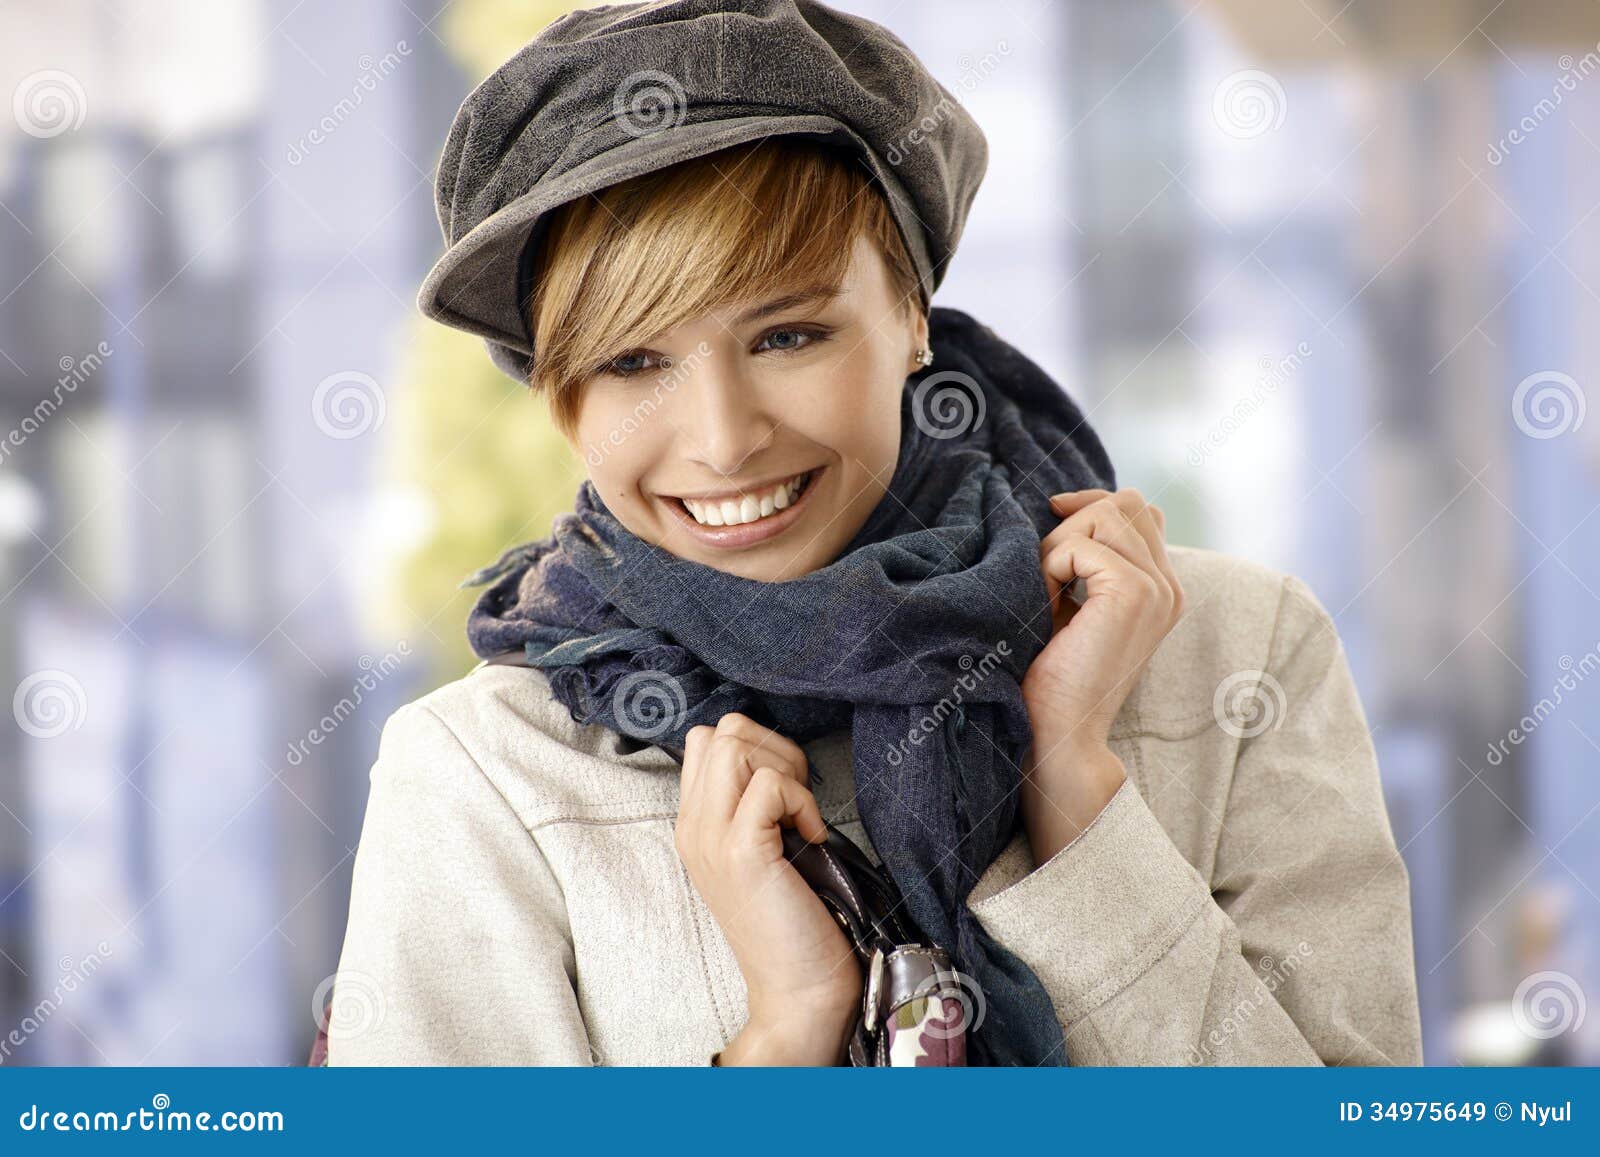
(787, 301)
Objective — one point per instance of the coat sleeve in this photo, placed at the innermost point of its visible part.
(1297, 952)
(457, 950)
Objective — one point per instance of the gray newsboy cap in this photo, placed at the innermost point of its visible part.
(610, 92)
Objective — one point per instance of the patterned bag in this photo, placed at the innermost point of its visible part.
(914, 1009)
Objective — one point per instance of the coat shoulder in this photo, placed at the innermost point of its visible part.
(1236, 612)
(546, 765)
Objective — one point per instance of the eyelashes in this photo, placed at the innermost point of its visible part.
(812, 335)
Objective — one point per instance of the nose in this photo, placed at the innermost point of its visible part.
(728, 423)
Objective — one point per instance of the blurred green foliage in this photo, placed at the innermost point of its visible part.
(477, 445)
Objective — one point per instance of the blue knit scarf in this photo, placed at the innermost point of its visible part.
(914, 640)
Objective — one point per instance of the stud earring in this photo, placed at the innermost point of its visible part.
(924, 356)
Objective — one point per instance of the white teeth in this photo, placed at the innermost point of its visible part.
(748, 508)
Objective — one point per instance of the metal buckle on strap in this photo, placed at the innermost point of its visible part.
(873, 994)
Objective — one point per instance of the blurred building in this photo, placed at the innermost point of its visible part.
(211, 212)
(1318, 271)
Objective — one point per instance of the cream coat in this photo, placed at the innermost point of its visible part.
(517, 898)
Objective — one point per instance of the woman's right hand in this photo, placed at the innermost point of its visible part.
(741, 784)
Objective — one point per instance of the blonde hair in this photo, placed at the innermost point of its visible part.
(624, 264)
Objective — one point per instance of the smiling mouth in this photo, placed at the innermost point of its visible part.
(750, 507)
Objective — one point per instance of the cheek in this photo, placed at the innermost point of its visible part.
(617, 453)
(862, 418)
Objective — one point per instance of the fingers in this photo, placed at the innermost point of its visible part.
(1078, 555)
(1116, 519)
(767, 746)
(739, 746)
(1107, 522)
(719, 764)
(771, 799)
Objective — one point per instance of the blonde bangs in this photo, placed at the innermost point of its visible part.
(623, 265)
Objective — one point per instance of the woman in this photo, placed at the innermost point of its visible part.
(843, 557)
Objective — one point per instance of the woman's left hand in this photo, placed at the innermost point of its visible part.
(1099, 647)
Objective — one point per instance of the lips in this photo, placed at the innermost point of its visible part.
(744, 517)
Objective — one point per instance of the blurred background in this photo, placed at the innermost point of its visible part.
(1318, 269)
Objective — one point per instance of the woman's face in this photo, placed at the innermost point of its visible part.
(757, 438)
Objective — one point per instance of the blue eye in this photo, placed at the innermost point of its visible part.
(805, 337)
(628, 364)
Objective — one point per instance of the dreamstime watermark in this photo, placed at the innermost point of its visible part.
(649, 102)
(1547, 1004)
(376, 672)
(73, 974)
(947, 404)
(348, 1004)
(676, 373)
(956, 1007)
(49, 703)
(973, 73)
(975, 671)
(74, 372)
(48, 103)
(1572, 72)
(1273, 974)
(1574, 671)
(1249, 703)
(372, 73)
(1548, 404)
(648, 704)
(1248, 104)
(348, 404)
(160, 1117)
(1273, 376)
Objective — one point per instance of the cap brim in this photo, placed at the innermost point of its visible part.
(474, 284)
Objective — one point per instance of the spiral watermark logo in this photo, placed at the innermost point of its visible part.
(947, 404)
(347, 1005)
(50, 703)
(49, 103)
(649, 102)
(1547, 1004)
(648, 704)
(1249, 104)
(963, 1004)
(1548, 404)
(1248, 703)
(348, 404)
